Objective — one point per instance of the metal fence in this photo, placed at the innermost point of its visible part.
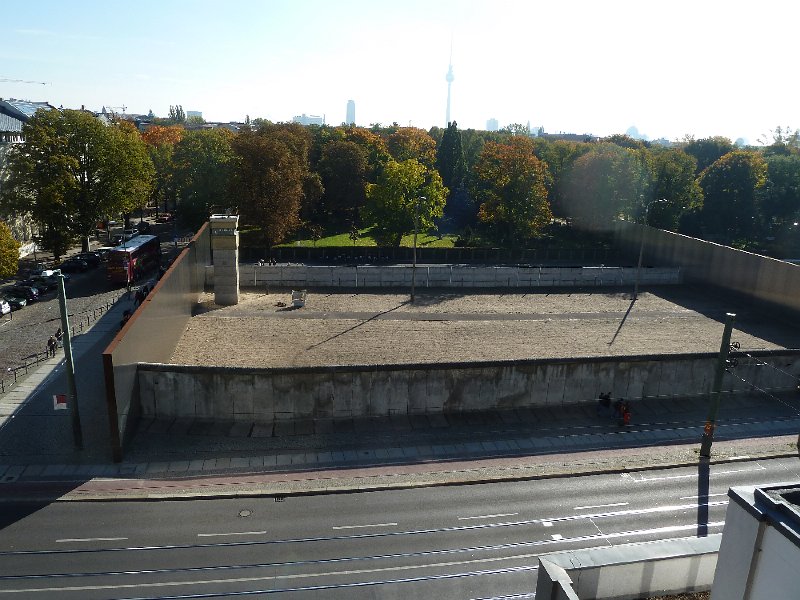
(79, 322)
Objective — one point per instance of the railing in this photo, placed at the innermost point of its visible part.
(78, 323)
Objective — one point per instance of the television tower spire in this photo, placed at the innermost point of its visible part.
(449, 77)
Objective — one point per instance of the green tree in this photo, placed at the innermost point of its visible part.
(176, 116)
(707, 151)
(673, 181)
(731, 189)
(9, 252)
(161, 143)
(605, 183)
(203, 161)
(781, 198)
(72, 171)
(450, 160)
(406, 192)
(511, 187)
(343, 168)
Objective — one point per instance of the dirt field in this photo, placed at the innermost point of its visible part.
(358, 329)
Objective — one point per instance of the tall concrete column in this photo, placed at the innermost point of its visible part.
(225, 250)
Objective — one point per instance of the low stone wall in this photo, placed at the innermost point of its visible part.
(448, 276)
(267, 395)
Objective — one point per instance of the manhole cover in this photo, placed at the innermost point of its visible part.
(245, 513)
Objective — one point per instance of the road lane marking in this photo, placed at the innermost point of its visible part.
(692, 475)
(488, 516)
(232, 533)
(97, 539)
(363, 526)
(526, 556)
(703, 496)
(602, 506)
(546, 524)
(557, 537)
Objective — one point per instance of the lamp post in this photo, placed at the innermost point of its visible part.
(77, 433)
(641, 248)
(414, 252)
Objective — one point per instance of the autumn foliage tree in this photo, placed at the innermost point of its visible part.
(269, 179)
(411, 143)
(510, 184)
(9, 252)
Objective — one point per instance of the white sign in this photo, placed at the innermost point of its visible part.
(59, 402)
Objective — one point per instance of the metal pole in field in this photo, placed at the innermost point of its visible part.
(77, 434)
(414, 254)
(724, 350)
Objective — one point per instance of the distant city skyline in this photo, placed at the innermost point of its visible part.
(579, 66)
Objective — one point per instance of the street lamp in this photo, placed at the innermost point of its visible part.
(641, 247)
(414, 254)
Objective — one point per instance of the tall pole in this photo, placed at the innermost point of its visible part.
(639, 266)
(724, 350)
(77, 434)
(414, 252)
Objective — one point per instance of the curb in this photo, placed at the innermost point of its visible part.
(378, 478)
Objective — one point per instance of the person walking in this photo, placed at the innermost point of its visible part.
(51, 346)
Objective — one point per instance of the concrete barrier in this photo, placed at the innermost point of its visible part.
(268, 395)
(756, 277)
(448, 276)
(630, 571)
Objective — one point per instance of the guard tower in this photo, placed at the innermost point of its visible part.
(225, 252)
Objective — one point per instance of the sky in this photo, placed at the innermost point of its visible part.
(669, 68)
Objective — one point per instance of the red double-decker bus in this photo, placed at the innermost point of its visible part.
(132, 259)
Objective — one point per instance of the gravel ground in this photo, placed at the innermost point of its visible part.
(357, 329)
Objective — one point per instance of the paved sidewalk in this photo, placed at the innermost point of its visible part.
(188, 458)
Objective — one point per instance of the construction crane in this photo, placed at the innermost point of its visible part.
(7, 80)
(116, 109)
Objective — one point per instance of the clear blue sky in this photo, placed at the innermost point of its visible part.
(700, 67)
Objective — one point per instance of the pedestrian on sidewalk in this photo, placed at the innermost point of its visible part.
(51, 346)
(59, 337)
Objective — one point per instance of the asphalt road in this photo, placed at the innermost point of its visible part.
(476, 541)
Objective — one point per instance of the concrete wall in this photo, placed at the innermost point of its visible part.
(151, 335)
(759, 556)
(630, 571)
(439, 276)
(268, 395)
(750, 275)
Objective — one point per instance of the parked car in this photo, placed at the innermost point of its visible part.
(74, 265)
(29, 293)
(102, 252)
(164, 218)
(143, 227)
(91, 259)
(14, 302)
(43, 284)
(5, 307)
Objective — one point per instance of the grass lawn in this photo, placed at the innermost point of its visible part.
(342, 240)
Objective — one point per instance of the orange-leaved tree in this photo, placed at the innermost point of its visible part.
(510, 184)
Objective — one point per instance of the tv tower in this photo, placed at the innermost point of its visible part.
(449, 79)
